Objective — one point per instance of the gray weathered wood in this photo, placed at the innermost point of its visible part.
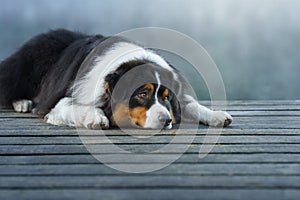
(257, 157)
(179, 169)
(201, 132)
(124, 158)
(148, 193)
(176, 148)
(150, 181)
(102, 140)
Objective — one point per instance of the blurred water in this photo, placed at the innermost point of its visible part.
(254, 43)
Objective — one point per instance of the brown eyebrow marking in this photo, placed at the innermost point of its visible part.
(149, 87)
(165, 93)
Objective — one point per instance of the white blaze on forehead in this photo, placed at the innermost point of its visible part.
(158, 86)
(91, 87)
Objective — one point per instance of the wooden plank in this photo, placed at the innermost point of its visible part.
(235, 125)
(162, 193)
(32, 127)
(125, 158)
(271, 113)
(232, 110)
(149, 181)
(39, 122)
(151, 140)
(254, 106)
(12, 114)
(262, 108)
(253, 102)
(176, 148)
(173, 169)
(19, 121)
(238, 123)
(114, 132)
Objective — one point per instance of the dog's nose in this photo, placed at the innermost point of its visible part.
(168, 122)
(165, 121)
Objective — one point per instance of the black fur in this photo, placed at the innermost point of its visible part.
(44, 67)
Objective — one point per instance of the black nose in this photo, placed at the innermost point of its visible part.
(165, 121)
(168, 122)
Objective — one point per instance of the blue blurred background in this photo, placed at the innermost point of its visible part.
(255, 43)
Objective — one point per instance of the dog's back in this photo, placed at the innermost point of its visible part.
(21, 73)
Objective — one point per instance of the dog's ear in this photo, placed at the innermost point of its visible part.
(108, 89)
(175, 109)
(110, 82)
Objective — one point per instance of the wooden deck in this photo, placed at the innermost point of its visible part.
(257, 157)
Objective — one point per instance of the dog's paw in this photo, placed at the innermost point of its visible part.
(53, 118)
(23, 105)
(96, 120)
(91, 118)
(220, 119)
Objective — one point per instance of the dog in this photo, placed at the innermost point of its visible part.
(70, 78)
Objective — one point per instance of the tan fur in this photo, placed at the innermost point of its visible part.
(107, 93)
(165, 93)
(125, 117)
(138, 115)
(149, 87)
(172, 117)
(121, 115)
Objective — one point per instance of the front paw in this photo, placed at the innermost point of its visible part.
(53, 118)
(220, 119)
(96, 120)
(23, 105)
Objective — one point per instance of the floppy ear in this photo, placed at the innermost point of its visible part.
(175, 109)
(110, 82)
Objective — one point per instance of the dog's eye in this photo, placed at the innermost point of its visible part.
(143, 95)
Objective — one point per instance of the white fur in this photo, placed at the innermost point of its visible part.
(195, 112)
(23, 105)
(219, 118)
(157, 112)
(64, 113)
(158, 86)
(153, 116)
(91, 87)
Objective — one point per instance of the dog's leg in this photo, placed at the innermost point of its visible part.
(66, 113)
(23, 105)
(193, 111)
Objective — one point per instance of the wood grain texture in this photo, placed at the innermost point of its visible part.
(257, 157)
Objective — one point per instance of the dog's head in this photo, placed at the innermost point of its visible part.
(151, 104)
